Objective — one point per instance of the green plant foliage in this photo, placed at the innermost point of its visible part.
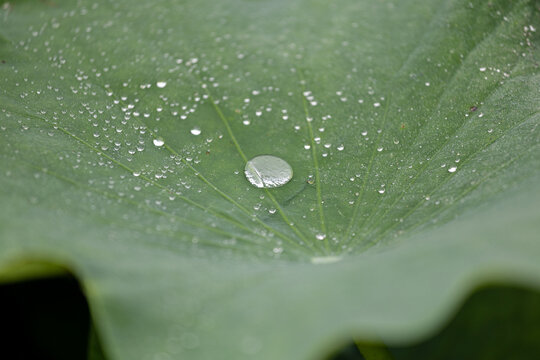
(411, 128)
(494, 323)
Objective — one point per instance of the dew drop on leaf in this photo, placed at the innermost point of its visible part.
(161, 84)
(277, 250)
(195, 131)
(452, 169)
(320, 236)
(267, 171)
(158, 142)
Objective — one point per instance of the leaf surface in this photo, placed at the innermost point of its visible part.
(411, 129)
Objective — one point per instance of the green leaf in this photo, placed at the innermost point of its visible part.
(411, 129)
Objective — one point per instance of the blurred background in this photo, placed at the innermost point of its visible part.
(50, 319)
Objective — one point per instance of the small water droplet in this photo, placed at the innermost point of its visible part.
(452, 169)
(195, 131)
(267, 171)
(381, 191)
(320, 236)
(158, 142)
(341, 147)
(310, 180)
(161, 84)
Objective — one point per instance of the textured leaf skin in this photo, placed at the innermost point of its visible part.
(180, 256)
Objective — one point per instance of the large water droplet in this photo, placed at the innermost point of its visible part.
(158, 142)
(267, 171)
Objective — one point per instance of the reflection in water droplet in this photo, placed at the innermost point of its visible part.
(161, 84)
(452, 169)
(195, 131)
(159, 142)
(267, 171)
(310, 180)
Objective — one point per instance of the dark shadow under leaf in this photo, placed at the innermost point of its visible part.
(46, 319)
(494, 323)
